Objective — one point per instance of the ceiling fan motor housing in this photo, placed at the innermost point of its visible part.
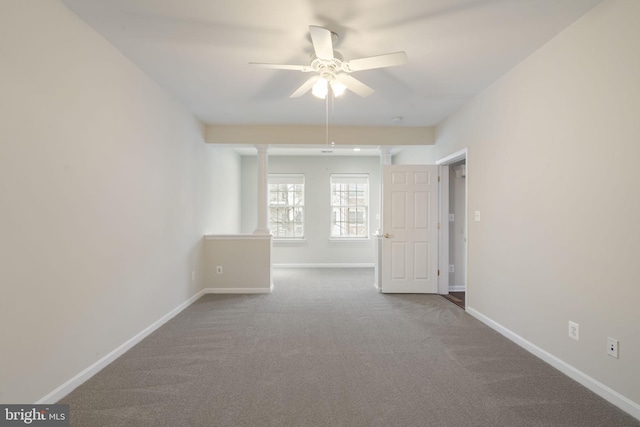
(328, 67)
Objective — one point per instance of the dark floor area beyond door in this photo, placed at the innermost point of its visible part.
(458, 298)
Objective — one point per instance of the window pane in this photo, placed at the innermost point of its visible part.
(349, 200)
(286, 205)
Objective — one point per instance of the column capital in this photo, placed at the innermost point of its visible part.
(385, 154)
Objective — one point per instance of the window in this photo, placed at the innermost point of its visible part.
(286, 206)
(349, 206)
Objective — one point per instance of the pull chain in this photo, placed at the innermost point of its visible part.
(326, 115)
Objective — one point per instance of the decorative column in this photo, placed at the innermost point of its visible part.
(385, 159)
(263, 187)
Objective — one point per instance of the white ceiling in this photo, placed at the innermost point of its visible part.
(198, 50)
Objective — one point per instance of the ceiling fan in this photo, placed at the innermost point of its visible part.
(333, 71)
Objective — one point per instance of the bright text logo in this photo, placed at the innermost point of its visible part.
(36, 415)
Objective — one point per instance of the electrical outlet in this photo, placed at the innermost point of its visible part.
(476, 216)
(219, 269)
(574, 330)
(452, 217)
(612, 347)
(193, 275)
(452, 268)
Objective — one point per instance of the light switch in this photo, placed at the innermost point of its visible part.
(452, 217)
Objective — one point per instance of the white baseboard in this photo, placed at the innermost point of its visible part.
(457, 289)
(326, 265)
(607, 393)
(238, 290)
(89, 372)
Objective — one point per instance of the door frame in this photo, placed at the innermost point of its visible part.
(443, 240)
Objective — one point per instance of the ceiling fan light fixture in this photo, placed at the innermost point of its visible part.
(337, 87)
(320, 88)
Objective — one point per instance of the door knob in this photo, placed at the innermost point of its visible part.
(388, 236)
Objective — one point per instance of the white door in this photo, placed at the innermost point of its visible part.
(410, 229)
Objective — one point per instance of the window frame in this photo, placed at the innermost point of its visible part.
(286, 179)
(350, 179)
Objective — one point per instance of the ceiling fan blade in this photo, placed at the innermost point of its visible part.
(303, 68)
(306, 87)
(380, 61)
(354, 85)
(322, 42)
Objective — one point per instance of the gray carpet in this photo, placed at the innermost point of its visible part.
(326, 349)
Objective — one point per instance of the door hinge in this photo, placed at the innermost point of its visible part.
(438, 178)
(438, 272)
(438, 226)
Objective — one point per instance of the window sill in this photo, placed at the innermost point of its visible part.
(301, 241)
(349, 239)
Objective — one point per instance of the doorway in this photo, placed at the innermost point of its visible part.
(457, 227)
(453, 238)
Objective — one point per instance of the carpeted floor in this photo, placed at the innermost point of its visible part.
(326, 349)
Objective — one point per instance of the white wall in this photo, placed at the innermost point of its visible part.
(421, 155)
(316, 248)
(245, 262)
(553, 168)
(105, 183)
(224, 169)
